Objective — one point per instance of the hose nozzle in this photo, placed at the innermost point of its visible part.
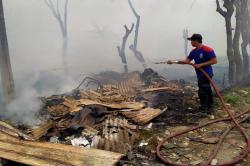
(157, 63)
(168, 62)
(174, 62)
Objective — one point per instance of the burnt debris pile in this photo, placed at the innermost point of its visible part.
(110, 116)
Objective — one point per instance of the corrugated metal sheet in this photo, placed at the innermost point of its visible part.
(128, 86)
(117, 136)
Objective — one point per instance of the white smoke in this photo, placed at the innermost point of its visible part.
(24, 109)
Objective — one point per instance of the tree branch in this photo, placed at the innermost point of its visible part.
(57, 9)
(50, 4)
(133, 9)
(128, 31)
(119, 50)
(66, 15)
(132, 27)
(47, 3)
(126, 28)
(57, 14)
(219, 9)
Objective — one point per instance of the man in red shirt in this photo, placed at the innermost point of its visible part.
(204, 58)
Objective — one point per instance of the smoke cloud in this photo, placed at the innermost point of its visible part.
(95, 30)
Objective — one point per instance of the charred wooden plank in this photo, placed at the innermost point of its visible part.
(12, 131)
(160, 89)
(125, 105)
(48, 154)
(143, 116)
(41, 130)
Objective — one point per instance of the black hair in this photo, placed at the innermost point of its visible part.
(198, 40)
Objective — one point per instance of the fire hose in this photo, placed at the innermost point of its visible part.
(233, 118)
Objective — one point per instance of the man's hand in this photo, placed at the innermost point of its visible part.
(183, 62)
(210, 62)
(186, 61)
(198, 66)
(169, 62)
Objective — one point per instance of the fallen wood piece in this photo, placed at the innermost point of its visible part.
(41, 130)
(58, 110)
(125, 105)
(48, 154)
(70, 106)
(128, 86)
(10, 130)
(143, 116)
(73, 105)
(83, 118)
(88, 131)
(79, 118)
(107, 98)
(160, 89)
(126, 110)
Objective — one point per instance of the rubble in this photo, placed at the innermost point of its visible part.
(105, 116)
(39, 131)
(11, 131)
(149, 77)
(23, 150)
(81, 142)
(214, 162)
(126, 116)
(143, 116)
(116, 135)
(168, 88)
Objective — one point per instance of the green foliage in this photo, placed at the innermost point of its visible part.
(238, 96)
(232, 99)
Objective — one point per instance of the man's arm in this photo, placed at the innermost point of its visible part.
(210, 62)
(186, 61)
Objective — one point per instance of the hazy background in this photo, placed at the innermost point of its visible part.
(95, 29)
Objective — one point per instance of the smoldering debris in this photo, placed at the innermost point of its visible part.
(24, 109)
(149, 76)
(109, 117)
(27, 105)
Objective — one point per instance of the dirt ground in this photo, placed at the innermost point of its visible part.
(193, 148)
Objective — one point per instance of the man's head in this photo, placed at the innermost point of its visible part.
(196, 40)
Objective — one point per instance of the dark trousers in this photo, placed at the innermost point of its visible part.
(205, 92)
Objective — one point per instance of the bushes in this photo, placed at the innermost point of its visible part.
(232, 99)
(238, 96)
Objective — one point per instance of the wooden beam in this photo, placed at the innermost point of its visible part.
(143, 116)
(48, 154)
(18, 147)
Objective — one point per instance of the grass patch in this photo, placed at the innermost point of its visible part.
(232, 99)
(238, 96)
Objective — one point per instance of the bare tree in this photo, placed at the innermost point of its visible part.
(121, 49)
(62, 18)
(192, 5)
(138, 55)
(133, 47)
(185, 36)
(227, 14)
(236, 42)
(5, 65)
(245, 33)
